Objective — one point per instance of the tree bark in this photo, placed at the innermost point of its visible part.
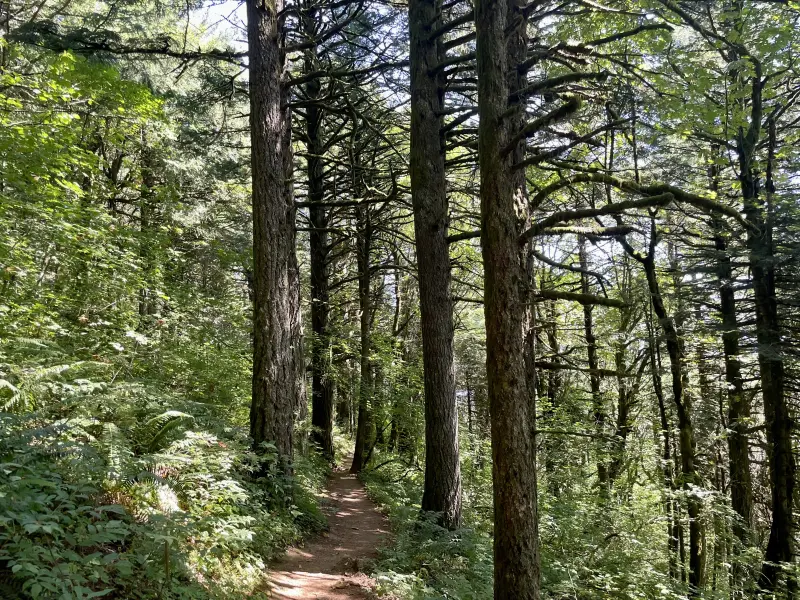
(666, 455)
(321, 383)
(278, 386)
(749, 88)
(516, 543)
(442, 490)
(364, 419)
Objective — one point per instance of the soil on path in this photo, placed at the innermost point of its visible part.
(329, 567)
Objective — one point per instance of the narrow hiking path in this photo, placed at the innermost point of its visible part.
(329, 566)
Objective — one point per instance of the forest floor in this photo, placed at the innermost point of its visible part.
(330, 567)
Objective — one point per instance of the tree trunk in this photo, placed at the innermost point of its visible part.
(623, 410)
(469, 408)
(738, 405)
(666, 455)
(598, 409)
(364, 422)
(516, 536)
(321, 382)
(278, 386)
(749, 91)
(442, 490)
(770, 358)
(682, 401)
(342, 395)
(554, 381)
(686, 440)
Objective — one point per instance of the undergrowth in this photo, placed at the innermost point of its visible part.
(425, 561)
(130, 489)
(588, 551)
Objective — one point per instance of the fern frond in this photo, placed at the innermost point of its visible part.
(29, 342)
(16, 402)
(115, 449)
(46, 373)
(151, 435)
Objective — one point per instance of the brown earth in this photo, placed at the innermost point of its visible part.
(329, 567)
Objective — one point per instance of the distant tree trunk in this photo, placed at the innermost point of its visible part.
(469, 407)
(442, 489)
(5, 15)
(278, 385)
(321, 383)
(629, 376)
(738, 404)
(379, 399)
(623, 409)
(501, 31)
(686, 441)
(685, 432)
(598, 408)
(146, 210)
(554, 381)
(364, 422)
(342, 395)
(768, 335)
(670, 504)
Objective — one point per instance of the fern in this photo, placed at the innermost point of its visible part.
(151, 435)
(116, 451)
(12, 404)
(28, 342)
(31, 384)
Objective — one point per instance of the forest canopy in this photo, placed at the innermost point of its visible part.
(528, 270)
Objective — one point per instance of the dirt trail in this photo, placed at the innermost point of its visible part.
(328, 567)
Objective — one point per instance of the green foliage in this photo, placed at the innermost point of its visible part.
(125, 466)
(424, 560)
(589, 549)
(85, 515)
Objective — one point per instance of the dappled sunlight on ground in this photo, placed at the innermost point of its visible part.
(329, 567)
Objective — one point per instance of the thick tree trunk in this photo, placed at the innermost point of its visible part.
(364, 422)
(321, 383)
(531, 347)
(442, 490)
(516, 536)
(278, 386)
